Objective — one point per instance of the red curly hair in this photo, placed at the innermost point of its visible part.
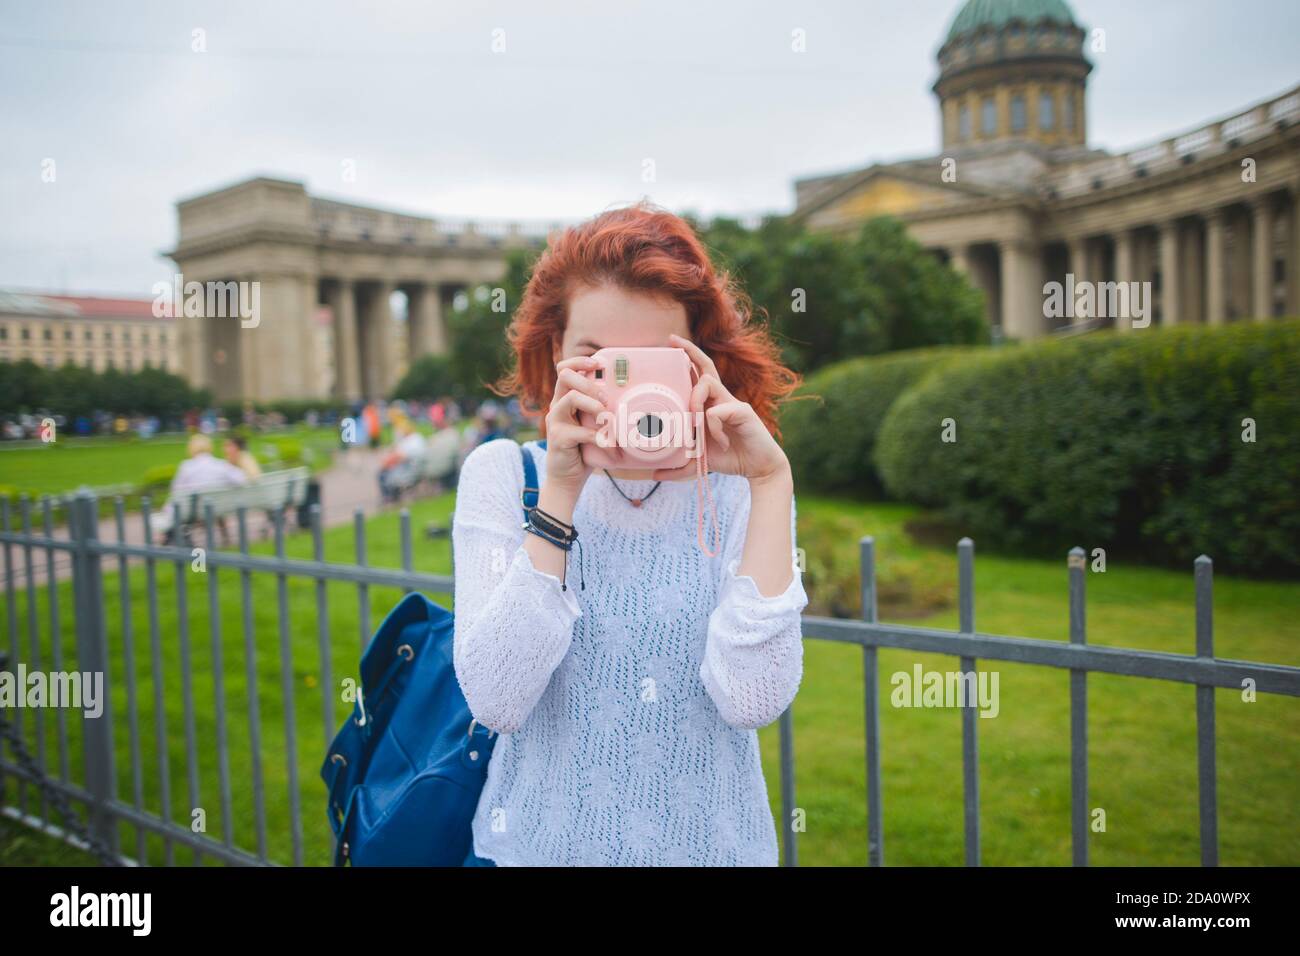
(647, 249)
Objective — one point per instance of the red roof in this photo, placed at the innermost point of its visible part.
(97, 307)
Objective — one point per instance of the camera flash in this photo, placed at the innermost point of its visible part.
(620, 371)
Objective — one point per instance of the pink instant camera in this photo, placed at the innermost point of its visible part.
(647, 422)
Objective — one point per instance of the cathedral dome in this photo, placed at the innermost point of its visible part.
(1012, 72)
(999, 13)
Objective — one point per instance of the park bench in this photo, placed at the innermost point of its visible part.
(275, 489)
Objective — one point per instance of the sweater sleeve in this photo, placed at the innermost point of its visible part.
(753, 656)
(513, 623)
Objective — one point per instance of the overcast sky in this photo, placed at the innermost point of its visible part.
(555, 126)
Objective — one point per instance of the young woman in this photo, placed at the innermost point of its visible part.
(628, 694)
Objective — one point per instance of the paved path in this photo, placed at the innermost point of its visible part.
(350, 483)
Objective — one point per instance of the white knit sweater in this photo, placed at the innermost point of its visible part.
(628, 710)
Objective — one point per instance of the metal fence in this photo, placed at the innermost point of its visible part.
(105, 808)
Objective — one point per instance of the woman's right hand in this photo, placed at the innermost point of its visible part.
(566, 472)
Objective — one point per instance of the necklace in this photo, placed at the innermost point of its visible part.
(635, 502)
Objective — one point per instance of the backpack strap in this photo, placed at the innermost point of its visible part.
(531, 489)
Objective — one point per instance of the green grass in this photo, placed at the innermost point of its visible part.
(70, 463)
(1142, 732)
(117, 466)
(22, 846)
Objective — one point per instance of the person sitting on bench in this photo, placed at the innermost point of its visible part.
(202, 471)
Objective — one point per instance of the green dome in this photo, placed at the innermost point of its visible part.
(998, 13)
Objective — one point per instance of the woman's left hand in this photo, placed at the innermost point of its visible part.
(738, 441)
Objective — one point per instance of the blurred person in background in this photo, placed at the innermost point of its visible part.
(237, 453)
(370, 416)
(400, 467)
(201, 471)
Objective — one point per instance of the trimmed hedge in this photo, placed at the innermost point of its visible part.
(1128, 442)
(829, 433)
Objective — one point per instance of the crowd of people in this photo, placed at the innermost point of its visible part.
(412, 457)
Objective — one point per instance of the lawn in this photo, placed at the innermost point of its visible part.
(1142, 733)
(38, 468)
(117, 466)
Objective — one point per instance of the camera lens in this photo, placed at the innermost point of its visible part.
(650, 426)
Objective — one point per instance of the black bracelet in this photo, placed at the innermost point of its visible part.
(553, 523)
(559, 533)
(552, 527)
(561, 543)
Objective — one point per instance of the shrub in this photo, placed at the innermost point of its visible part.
(159, 477)
(1132, 442)
(830, 434)
(288, 451)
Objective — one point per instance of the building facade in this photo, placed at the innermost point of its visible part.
(92, 332)
(303, 252)
(1207, 220)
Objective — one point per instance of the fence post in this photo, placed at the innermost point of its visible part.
(1077, 564)
(871, 707)
(969, 723)
(790, 842)
(1206, 769)
(92, 658)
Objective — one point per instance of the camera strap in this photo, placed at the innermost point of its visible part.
(703, 490)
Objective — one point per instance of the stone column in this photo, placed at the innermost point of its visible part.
(1261, 254)
(1293, 254)
(1192, 291)
(1022, 290)
(347, 359)
(1216, 260)
(314, 383)
(283, 339)
(1078, 266)
(236, 375)
(1241, 270)
(377, 376)
(959, 259)
(1126, 271)
(427, 332)
(192, 340)
(1171, 278)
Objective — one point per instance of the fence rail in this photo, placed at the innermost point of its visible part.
(105, 808)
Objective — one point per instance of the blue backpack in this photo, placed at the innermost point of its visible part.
(404, 773)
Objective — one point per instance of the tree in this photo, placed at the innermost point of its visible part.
(829, 298)
(478, 352)
(428, 378)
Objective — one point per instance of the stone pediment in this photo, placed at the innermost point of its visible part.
(890, 191)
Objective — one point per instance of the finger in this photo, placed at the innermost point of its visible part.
(707, 389)
(572, 402)
(731, 413)
(719, 391)
(728, 414)
(577, 362)
(717, 430)
(698, 356)
(570, 380)
(573, 365)
(569, 435)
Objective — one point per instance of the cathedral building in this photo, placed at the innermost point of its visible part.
(1205, 222)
